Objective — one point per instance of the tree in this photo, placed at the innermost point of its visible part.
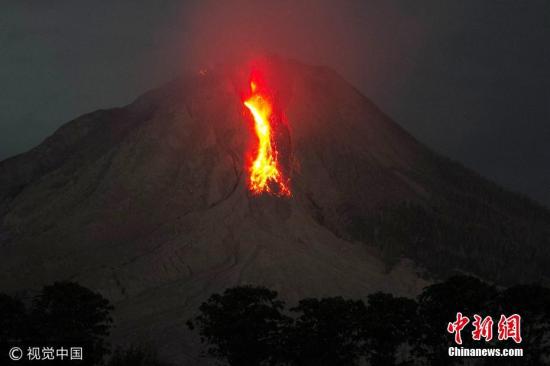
(13, 323)
(389, 324)
(67, 314)
(438, 305)
(245, 326)
(532, 303)
(136, 355)
(242, 326)
(326, 332)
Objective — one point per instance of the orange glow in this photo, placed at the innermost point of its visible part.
(265, 175)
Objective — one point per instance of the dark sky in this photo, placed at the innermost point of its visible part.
(469, 78)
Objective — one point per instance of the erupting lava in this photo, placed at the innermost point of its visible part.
(265, 173)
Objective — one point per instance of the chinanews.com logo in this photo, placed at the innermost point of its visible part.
(508, 328)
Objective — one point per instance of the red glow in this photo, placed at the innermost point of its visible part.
(265, 172)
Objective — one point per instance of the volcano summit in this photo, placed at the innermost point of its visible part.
(150, 205)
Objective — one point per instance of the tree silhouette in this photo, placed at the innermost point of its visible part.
(389, 324)
(13, 324)
(243, 326)
(136, 355)
(532, 302)
(438, 305)
(64, 314)
(246, 326)
(326, 332)
(67, 314)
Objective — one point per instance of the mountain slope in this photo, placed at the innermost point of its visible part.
(149, 204)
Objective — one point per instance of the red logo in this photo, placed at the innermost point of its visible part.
(483, 328)
(508, 328)
(457, 326)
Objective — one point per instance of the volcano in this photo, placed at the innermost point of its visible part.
(150, 204)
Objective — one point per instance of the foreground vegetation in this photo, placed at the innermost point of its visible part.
(251, 326)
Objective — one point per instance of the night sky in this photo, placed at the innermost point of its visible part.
(471, 79)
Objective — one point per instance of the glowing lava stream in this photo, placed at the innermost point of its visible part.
(264, 171)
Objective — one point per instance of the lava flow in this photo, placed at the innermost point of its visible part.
(265, 173)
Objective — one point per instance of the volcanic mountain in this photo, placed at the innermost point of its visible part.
(150, 205)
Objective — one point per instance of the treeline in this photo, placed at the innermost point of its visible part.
(65, 315)
(250, 326)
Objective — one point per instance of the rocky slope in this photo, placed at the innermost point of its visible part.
(149, 205)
